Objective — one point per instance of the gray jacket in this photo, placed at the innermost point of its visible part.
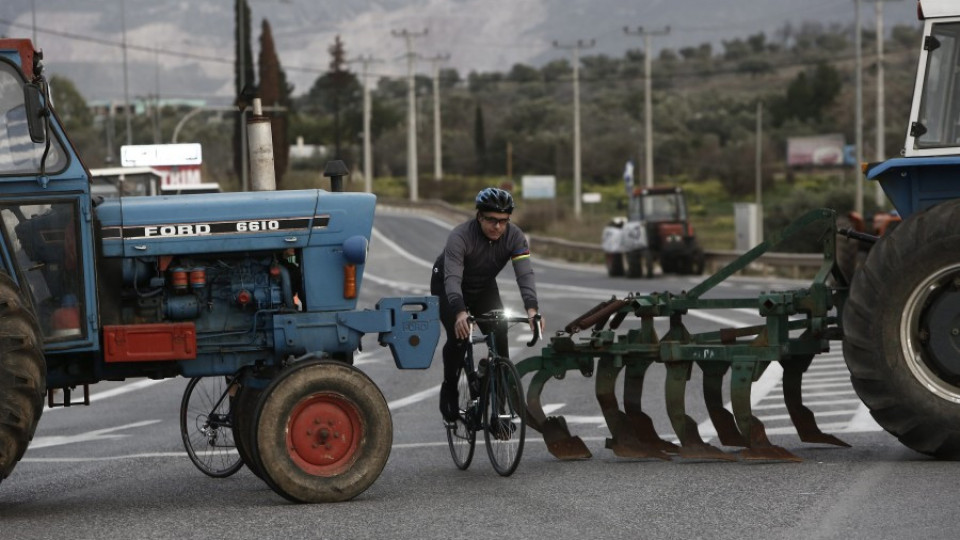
(471, 261)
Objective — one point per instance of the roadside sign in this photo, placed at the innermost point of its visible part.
(539, 187)
(164, 155)
(590, 198)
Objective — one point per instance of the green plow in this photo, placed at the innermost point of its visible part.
(800, 324)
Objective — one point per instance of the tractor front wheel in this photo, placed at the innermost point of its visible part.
(23, 375)
(323, 432)
(901, 328)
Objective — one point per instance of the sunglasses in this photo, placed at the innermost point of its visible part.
(495, 221)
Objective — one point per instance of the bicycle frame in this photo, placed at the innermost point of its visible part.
(497, 318)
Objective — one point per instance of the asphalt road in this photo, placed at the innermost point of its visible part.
(117, 469)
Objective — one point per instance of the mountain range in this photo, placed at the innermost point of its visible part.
(184, 49)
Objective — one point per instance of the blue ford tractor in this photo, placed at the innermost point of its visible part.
(193, 285)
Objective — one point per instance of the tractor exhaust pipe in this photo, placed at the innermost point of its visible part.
(260, 144)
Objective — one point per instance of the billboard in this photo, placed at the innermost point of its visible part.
(816, 151)
(539, 187)
(164, 155)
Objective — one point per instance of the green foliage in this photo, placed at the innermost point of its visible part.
(809, 95)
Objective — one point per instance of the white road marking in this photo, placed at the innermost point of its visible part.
(96, 435)
(399, 250)
(120, 390)
(414, 398)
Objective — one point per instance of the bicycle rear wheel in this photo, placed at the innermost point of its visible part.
(504, 424)
(461, 438)
(206, 428)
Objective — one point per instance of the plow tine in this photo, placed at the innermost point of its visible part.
(624, 442)
(802, 417)
(641, 422)
(759, 446)
(723, 420)
(691, 444)
(554, 429)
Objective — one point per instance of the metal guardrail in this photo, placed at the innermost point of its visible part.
(794, 265)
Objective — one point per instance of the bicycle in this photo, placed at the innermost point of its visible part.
(206, 425)
(491, 400)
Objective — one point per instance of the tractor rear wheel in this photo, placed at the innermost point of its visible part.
(23, 375)
(323, 432)
(243, 407)
(901, 334)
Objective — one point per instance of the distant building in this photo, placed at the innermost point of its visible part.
(306, 152)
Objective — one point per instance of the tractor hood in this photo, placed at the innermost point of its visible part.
(232, 222)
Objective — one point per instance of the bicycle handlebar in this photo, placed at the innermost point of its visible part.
(499, 316)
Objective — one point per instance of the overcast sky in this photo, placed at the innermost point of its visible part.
(184, 48)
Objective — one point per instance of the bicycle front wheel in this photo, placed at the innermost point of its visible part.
(206, 428)
(504, 424)
(461, 436)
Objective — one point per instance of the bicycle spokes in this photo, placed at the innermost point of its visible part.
(504, 423)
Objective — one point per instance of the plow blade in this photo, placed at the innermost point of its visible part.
(798, 325)
(626, 442)
(692, 445)
(800, 415)
(743, 375)
(554, 429)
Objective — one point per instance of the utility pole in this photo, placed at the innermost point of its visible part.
(437, 155)
(759, 167)
(365, 61)
(575, 47)
(126, 90)
(881, 150)
(858, 200)
(408, 37)
(647, 100)
(241, 66)
(33, 15)
(156, 96)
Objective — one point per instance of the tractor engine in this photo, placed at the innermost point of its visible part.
(218, 293)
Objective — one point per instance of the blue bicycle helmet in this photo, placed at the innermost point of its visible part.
(495, 200)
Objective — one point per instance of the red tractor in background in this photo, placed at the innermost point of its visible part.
(658, 229)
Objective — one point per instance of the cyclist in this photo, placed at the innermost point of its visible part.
(465, 279)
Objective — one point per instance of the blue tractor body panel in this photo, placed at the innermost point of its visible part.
(914, 184)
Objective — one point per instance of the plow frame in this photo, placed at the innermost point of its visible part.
(798, 324)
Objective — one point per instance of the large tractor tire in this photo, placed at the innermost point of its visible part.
(243, 407)
(323, 432)
(23, 375)
(902, 332)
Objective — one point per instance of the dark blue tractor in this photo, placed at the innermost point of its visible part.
(901, 321)
(259, 287)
